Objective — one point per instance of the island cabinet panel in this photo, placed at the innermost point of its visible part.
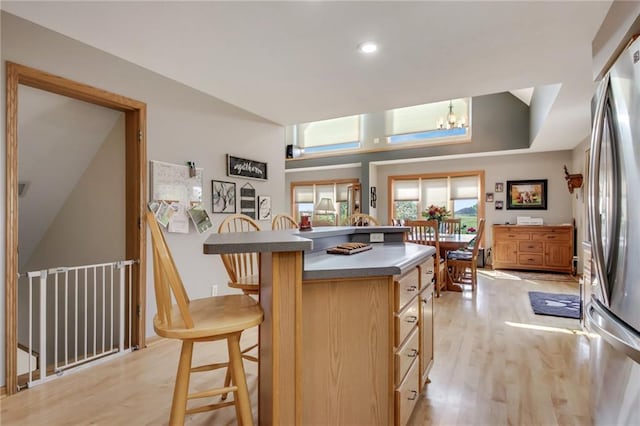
(544, 248)
(347, 351)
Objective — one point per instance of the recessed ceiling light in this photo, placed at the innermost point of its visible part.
(367, 47)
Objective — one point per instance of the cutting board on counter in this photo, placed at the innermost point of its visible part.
(349, 248)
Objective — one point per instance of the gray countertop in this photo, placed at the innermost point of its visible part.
(382, 259)
(391, 258)
(284, 240)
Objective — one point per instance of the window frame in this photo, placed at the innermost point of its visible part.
(314, 183)
(448, 176)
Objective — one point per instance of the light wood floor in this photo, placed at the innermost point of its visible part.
(486, 372)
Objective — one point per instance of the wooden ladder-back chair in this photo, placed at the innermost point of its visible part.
(426, 232)
(201, 320)
(362, 219)
(283, 221)
(463, 264)
(450, 226)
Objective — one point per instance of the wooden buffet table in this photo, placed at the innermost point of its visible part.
(539, 247)
(345, 339)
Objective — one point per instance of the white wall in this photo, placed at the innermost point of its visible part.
(182, 125)
(90, 227)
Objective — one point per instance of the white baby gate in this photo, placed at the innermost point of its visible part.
(73, 317)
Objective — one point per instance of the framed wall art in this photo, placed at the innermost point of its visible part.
(241, 167)
(264, 207)
(499, 187)
(527, 194)
(223, 197)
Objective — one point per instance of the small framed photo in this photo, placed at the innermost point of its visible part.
(264, 207)
(489, 197)
(223, 197)
(499, 205)
(499, 187)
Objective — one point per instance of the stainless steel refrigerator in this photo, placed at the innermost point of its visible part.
(613, 313)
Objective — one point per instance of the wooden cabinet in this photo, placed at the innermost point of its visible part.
(413, 337)
(544, 248)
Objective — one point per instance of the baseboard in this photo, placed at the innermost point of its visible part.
(3, 392)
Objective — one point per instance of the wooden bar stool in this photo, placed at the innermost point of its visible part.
(243, 270)
(283, 221)
(201, 320)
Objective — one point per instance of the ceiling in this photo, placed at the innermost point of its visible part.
(293, 62)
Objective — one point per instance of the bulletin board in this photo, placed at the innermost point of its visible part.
(173, 184)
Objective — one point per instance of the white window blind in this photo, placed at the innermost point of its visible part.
(434, 192)
(422, 118)
(406, 190)
(303, 194)
(464, 187)
(330, 132)
(324, 191)
(342, 192)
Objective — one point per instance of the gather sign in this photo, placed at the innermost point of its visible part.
(241, 167)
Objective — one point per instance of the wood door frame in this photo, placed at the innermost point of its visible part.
(135, 194)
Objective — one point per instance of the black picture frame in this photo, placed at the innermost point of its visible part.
(223, 196)
(527, 194)
(242, 167)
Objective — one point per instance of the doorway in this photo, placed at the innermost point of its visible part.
(135, 195)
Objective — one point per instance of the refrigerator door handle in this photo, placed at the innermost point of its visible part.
(613, 333)
(594, 193)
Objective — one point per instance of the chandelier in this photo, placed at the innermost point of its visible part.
(451, 121)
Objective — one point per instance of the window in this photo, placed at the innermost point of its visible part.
(329, 135)
(434, 122)
(458, 192)
(306, 196)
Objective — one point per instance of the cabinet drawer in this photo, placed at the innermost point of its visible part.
(407, 395)
(405, 321)
(427, 271)
(530, 246)
(503, 234)
(552, 236)
(530, 259)
(405, 355)
(406, 288)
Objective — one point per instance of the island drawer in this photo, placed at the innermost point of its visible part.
(406, 288)
(405, 355)
(405, 321)
(407, 395)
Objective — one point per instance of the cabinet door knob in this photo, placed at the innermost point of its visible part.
(413, 353)
(412, 288)
(414, 395)
(411, 319)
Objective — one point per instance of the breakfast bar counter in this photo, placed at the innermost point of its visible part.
(341, 336)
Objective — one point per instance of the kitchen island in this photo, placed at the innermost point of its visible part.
(346, 339)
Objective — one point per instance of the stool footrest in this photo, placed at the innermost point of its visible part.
(210, 407)
(212, 392)
(209, 367)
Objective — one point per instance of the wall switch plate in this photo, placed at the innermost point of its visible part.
(376, 237)
(214, 290)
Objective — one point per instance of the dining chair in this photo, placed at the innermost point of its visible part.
(283, 221)
(243, 270)
(450, 226)
(200, 320)
(463, 264)
(426, 232)
(362, 219)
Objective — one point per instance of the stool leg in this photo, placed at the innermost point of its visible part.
(181, 389)
(241, 396)
(227, 382)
